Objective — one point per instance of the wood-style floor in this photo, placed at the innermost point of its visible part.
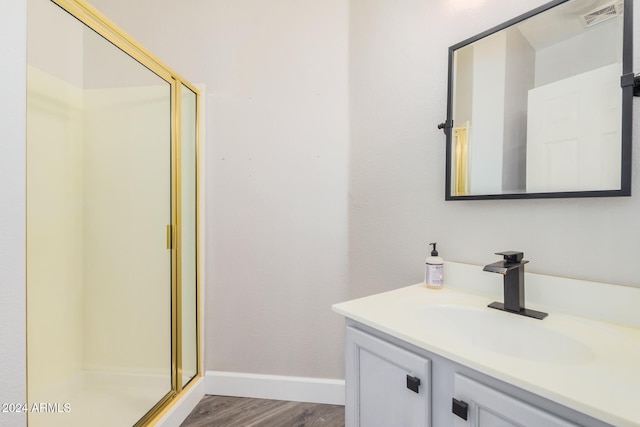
(225, 411)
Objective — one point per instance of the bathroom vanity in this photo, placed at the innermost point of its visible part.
(422, 357)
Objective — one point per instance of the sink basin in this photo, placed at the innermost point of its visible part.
(507, 334)
(584, 358)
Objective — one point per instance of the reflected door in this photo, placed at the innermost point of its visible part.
(573, 135)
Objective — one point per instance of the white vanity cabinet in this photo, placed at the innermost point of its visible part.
(386, 385)
(578, 366)
(381, 370)
(478, 405)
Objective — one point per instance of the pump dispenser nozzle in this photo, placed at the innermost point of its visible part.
(434, 252)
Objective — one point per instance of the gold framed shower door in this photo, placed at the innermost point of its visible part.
(176, 235)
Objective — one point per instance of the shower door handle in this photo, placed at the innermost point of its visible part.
(169, 236)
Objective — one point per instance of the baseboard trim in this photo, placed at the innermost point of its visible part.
(183, 407)
(276, 387)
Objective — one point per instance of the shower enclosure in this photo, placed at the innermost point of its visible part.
(112, 247)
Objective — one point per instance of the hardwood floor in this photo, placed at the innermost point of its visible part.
(225, 411)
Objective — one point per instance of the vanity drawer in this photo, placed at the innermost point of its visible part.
(477, 405)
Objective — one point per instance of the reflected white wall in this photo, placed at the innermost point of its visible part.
(595, 48)
(488, 113)
(519, 78)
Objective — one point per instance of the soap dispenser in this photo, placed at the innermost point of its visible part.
(434, 270)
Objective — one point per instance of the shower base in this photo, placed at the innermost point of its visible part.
(98, 399)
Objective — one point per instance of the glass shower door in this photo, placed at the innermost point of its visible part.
(99, 264)
(188, 233)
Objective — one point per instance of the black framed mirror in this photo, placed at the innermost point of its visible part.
(541, 106)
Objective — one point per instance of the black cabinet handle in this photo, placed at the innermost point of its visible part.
(413, 383)
(460, 408)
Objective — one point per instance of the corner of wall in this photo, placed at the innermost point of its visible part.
(13, 22)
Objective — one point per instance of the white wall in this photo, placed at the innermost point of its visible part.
(12, 215)
(391, 178)
(277, 205)
(57, 52)
(595, 239)
(277, 172)
(277, 153)
(592, 49)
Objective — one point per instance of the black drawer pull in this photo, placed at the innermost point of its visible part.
(460, 408)
(413, 383)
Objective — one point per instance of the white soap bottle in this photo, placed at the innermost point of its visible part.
(434, 270)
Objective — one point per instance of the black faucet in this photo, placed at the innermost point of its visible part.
(512, 268)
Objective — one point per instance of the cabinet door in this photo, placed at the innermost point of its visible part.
(386, 385)
(488, 407)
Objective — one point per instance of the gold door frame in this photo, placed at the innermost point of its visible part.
(95, 20)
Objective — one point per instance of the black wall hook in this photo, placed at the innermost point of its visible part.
(631, 79)
(445, 126)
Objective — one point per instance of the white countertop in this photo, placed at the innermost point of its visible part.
(588, 365)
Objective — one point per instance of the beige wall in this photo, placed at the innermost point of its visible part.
(55, 226)
(126, 203)
(98, 176)
(88, 300)
(55, 214)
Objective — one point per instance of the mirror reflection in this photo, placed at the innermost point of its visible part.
(537, 106)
